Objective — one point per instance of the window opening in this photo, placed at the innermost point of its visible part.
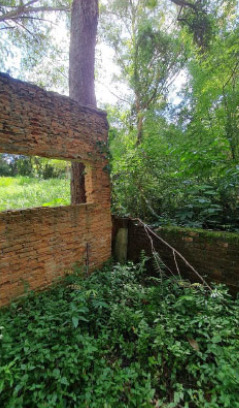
(32, 181)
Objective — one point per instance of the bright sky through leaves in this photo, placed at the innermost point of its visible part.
(108, 91)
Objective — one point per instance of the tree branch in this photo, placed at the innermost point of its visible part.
(34, 18)
(24, 10)
(175, 252)
(22, 26)
(231, 75)
(7, 28)
(30, 3)
(183, 3)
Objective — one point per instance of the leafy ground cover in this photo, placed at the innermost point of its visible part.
(121, 339)
(26, 192)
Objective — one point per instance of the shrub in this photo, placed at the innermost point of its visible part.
(121, 339)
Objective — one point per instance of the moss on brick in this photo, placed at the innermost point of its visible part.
(205, 234)
(212, 253)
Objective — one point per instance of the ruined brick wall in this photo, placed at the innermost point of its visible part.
(39, 245)
(215, 255)
(36, 122)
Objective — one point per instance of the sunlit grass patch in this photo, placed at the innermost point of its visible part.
(26, 192)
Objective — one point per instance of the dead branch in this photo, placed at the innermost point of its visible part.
(174, 251)
(154, 252)
(176, 264)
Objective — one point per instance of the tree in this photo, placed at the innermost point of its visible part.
(147, 54)
(28, 41)
(20, 13)
(200, 17)
(84, 21)
(185, 171)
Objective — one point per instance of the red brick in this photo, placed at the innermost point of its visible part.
(37, 245)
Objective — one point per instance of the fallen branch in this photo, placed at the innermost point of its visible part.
(176, 264)
(154, 253)
(157, 257)
(149, 231)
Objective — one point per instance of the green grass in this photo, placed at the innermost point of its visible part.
(25, 192)
(119, 339)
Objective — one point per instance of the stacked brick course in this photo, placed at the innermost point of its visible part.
(39, 245)
(36, 122)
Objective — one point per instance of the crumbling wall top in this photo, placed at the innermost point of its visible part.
(37, 122)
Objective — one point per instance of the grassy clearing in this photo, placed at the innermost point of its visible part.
(119, 339)
(25, 192)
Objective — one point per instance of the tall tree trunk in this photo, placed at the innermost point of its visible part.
(84, 21)
(140, 119)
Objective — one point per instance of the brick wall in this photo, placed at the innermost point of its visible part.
(215, 255)
(36, 122)
(39, 245)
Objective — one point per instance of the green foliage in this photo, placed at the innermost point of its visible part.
(5, 168)
(26, 192)
(121, 339)
(185, 169)
(33, 166)
(169, 181)
(147, 54)
(29, 45)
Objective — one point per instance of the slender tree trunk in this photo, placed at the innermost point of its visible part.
(140, 120)
(84, 21)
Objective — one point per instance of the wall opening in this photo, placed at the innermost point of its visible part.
(32, 181)
(38, 245)
(78, 191)
(82, 188)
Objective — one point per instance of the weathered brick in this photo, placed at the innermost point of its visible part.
(38, 245)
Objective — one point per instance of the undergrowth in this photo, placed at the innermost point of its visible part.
(120, 338)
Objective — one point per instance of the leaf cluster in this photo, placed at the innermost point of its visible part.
(121, 339)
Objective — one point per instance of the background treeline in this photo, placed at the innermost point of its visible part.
(20, 165)
(27, 182)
